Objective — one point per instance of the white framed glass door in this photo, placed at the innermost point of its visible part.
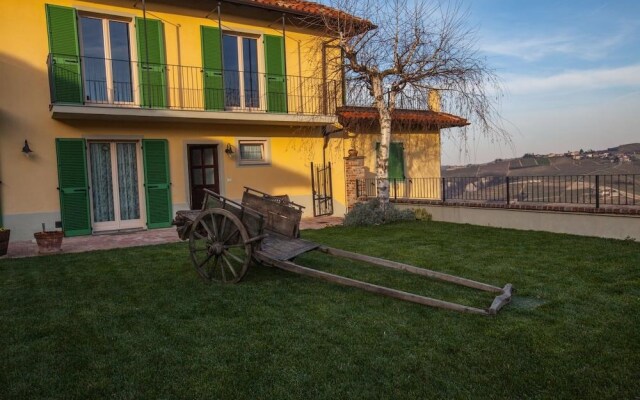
(242, 83)
(115, 172)
(107, 67)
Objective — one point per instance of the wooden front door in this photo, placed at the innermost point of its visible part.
(203, 172)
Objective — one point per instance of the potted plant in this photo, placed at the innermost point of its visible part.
(4, 241)
(48, 241)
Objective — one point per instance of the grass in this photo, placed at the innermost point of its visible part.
(138, 323)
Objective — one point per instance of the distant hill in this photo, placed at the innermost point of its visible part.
(629, 148)
(624, 159)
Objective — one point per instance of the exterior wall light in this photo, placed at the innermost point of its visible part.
(229, 150)
(26, 150)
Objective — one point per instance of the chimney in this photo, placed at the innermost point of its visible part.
(434, 100)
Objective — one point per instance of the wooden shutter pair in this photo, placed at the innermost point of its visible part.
(66, 71)
(74, 185)
(213, 78)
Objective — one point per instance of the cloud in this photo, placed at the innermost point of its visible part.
(538, 48)
(627, 77)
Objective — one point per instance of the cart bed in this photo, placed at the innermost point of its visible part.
(282, 248)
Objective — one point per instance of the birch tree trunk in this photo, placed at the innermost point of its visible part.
(382, 159)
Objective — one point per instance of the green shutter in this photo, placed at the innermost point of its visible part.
(275, 74)
(212, 68)
(396, 160)
(152, 71)
(157, 183)
(73, 187)
(65, 75)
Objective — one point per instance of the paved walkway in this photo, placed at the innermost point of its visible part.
(141, 238)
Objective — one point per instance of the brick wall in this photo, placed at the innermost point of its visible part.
(354, 171)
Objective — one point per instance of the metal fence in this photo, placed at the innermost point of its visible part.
(125, 83)
(596, 190)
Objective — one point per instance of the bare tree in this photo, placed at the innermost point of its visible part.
(399, 51)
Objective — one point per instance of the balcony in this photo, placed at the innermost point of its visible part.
(98, 88)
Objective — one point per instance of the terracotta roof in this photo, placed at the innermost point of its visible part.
(366, 118)
(303, 6)
(308, 8)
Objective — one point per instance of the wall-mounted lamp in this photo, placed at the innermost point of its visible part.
(229, 150)
(26, 150)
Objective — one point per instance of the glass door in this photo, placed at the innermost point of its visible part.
(241, 79)
(203, 172)
(106, 55)
(115, 188)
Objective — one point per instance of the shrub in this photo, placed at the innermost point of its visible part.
(422, 214)
(370, 213)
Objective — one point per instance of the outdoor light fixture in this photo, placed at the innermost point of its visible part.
(229, 150)
(26, 150)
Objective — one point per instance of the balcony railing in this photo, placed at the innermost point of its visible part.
(131, 84)
(595, 190)
(358, 95)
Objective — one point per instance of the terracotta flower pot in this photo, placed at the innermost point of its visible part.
(49, 241)
(4, 241)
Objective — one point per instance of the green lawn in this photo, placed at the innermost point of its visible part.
(138, 323)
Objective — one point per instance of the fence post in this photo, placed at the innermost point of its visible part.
(508, 192)
(357, 188)
(597, 191)
(444, 185)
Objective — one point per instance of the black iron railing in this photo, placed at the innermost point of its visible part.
(358, 95)
(125, 83)
(596, 190)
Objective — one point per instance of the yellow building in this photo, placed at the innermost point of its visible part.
(130, 110)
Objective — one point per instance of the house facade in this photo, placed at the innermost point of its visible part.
(116, 114)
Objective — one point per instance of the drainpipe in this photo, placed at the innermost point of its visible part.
(284, 44)
(146, 40)
(221, 50)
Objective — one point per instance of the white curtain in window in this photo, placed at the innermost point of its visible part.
(128, 181)
(101, 179)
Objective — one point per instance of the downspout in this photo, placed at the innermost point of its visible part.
(284, 44)
(325, 144)
(221, 43)
(146, 41)
(300, 93)
(343, 77)
(284, 61)
(180, 80)
(325, 91)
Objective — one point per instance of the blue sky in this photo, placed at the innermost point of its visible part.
(571, 73)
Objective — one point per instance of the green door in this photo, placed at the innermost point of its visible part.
(73, 187)
(65, 76)
(152, 68)
(157, 183)
(212, 81)
(275, 74)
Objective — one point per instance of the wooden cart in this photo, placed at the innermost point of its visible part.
(225, 236)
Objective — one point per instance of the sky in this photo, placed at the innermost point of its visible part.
(571, 74)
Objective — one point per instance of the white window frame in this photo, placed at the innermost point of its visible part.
(266, 151)
(105, 18)
(261, 69)
(118, 224)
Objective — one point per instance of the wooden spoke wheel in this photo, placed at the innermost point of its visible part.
(219, 246)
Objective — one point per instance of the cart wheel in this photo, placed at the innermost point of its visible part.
(218, 246)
